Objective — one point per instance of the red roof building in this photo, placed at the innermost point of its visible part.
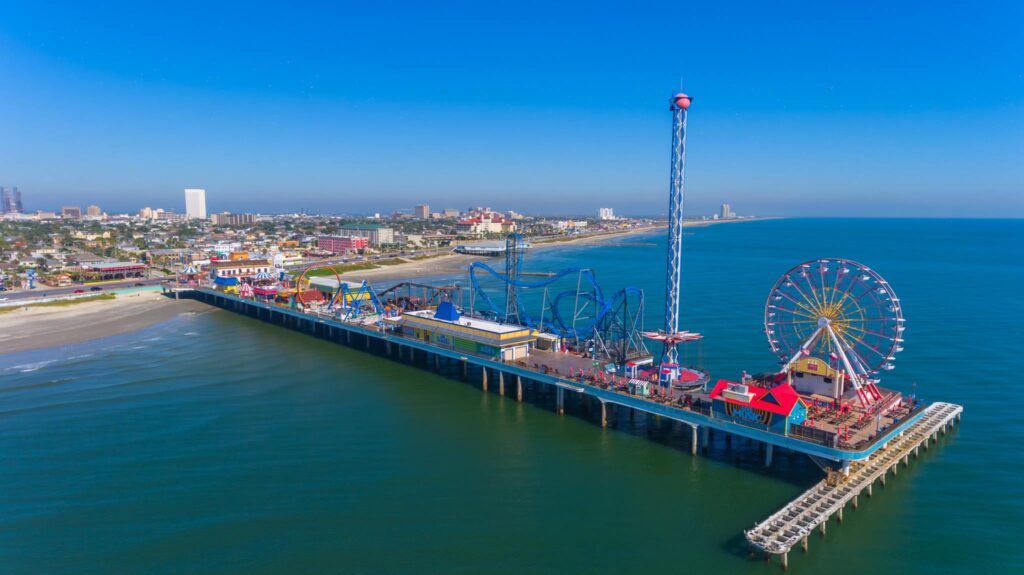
(759, 405)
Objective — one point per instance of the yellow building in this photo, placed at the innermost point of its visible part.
(445, 328)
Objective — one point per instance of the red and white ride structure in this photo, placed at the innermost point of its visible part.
(841, 312)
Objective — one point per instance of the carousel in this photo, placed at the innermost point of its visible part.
(189, 275)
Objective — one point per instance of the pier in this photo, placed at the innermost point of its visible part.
(794, 523)
(852, 472)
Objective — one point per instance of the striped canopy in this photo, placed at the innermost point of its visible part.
(264, 276)
(189, 270)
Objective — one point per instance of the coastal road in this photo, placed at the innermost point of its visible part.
(41, 292)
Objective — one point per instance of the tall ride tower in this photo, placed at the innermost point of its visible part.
(678, 106)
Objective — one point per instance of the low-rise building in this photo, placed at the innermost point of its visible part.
(342, 244)
(447, 329)
(486, 223)
(238, 268)
(377, 234)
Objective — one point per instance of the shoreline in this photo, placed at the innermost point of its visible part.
(457, 263)
(38, 327)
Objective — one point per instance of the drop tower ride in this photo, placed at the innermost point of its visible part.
(672, 336)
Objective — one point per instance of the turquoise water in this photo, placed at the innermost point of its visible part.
(217, 444)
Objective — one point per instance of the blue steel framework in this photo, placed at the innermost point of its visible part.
(678, 106)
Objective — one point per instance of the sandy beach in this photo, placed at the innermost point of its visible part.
(456, 263)
(38, 327)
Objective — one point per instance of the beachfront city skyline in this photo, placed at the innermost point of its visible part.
(359, 110)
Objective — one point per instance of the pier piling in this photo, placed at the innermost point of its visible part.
(519, 388)
(483, 377)
(768, 454)
(501, 383)
(693, 440)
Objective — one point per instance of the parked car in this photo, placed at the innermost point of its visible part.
(95, 288)
(79, 291)
(137, 284)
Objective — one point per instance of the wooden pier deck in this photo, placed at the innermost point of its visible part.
(813, 509)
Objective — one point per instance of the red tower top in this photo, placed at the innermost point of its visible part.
(681, 100)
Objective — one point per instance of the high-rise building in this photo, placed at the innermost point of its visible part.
(229, 219)
(727, 212)
(71, 212)
(605, 214)
(93, 211)
(422, 211)
(451, 213)
(195, 203)
(146, 213)
(10, 201)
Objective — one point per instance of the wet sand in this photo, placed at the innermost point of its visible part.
(38, 327)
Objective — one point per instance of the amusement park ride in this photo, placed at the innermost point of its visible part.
(834, 323)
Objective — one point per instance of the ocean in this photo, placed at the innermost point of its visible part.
(214, 443)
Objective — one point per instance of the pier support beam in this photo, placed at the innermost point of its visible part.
(437, 362)
(704, 438)
(768, 454)
(882, 478)
(855, 500)
(824, 526)
(839, 514)
(519, 388)
(804, 544)
(604, 414)
(465, 369)
(560, 401)
(895, 469)
(870, 490)
(501, 383)
(693, 440)
(785, 560)
(483, 378)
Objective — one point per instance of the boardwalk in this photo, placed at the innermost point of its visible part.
(812, 510)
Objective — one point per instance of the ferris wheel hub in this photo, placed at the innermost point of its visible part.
(823, 322)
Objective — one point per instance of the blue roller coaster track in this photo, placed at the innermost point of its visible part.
(551, 319)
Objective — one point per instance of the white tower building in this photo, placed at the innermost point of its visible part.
(195, 203)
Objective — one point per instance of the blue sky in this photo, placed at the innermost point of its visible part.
(819, 109)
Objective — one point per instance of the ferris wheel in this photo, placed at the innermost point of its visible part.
(841, 312)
